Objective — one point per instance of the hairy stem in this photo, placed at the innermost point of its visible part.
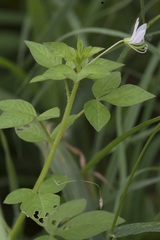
(20, 220)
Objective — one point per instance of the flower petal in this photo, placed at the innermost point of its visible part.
(135, 28)
(139, 37)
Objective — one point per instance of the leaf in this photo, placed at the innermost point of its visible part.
(31, 133)
(3, 227)
(17, 105)
(90, 51)
(70, 209)
(97, 114)
(127, 95)
(58, 72)
(87, 225)
(108, 64)
(136, 228)
(13, 119)
(79, 46)
(103, 86)
(16, 113)
(45, 237)
(51, 113)
(92, 71)
(54, 183)
(42, 55)
(65, 212)
(39, 78)
(60, 49)
(18, 195)
(39, 206)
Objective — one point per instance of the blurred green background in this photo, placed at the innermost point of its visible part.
(99, 23)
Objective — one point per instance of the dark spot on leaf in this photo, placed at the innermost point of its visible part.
(46, 214)
(60, 224)
(27, 125)
(54, 222)
(41, 220)
(19, 129)
(36, 214)
(66, 228)
(55, 205)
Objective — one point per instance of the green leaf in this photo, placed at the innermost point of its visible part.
(90, 51)
(13, 119)
(54, 183)
(70, 209)
(40, 206)
(58, 72)
(42, 55)
(136, 228)
(127, 95)
(87, 225)
(51, 113)
(18, 195)
(45, 237)
(3, 227)
(65, 212)
(109, 65)
(39, 78)
(92, 71)
(60, 49)
(79, 46)
(103, 86)
(30, 133)
(97, 114)
(16, 113)
(17, 105)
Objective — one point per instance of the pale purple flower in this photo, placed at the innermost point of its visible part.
(136, 41)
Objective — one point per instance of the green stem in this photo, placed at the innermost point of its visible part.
(57, 139)
(107, 50)
(18, 224)
(152, 21)
(124, 193)
(46, 132)
(142, 10)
